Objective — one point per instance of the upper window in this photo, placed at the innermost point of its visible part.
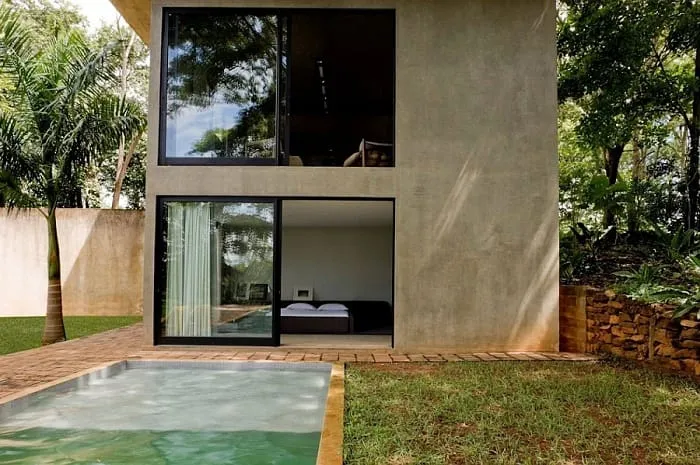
(302, 87)
(221, 72)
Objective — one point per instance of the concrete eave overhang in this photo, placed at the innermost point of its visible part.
(138, 14)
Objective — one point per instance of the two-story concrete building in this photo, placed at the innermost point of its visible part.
(383, 171)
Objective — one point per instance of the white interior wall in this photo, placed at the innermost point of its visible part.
(339, 263)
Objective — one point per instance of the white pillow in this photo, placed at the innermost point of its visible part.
(332, 307)
(301, 306)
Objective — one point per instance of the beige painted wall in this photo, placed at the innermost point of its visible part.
(101, 262)
(339, 263)
(475, 180)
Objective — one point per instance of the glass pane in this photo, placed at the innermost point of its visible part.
(221, 86)
(283, 84)
(219, 269)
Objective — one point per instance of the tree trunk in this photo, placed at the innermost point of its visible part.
(123, 158)
(54, 331)
(637, 174)
(694, 153)
(122, 167)
(612, 166)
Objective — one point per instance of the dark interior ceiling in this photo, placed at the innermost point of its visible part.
(357, 49)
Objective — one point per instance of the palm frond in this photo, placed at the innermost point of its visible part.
(101, 125)
(15, 194)
(16, 154)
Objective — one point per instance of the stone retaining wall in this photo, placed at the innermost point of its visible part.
(618, 325)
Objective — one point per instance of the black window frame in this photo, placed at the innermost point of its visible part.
(160, 274)
(163, 159)
(283, 140)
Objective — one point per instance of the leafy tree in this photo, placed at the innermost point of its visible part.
(130, 59)
(49, 16)
(604, 53)
(675, 85)
(60, 115)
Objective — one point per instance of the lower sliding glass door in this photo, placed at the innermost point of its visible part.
(216, 283)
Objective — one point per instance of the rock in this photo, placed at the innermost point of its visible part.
(638, 338)
(617, 351)
(664, 350)
(607, 338)
(674, 364)
(641, 320)
(605, 327)
(688, 344)
(689, 365)
(690, 334)
(617, 331)
(683, 353)
(614, 319)
(616, 305)
(663, 336)
(625, 317)
(690, 324)
(610, 294)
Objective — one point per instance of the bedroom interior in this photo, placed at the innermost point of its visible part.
(337, 271)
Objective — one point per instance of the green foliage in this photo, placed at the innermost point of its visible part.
(680, 244)
(61, 113)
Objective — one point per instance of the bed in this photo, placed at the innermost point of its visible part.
(307, 319)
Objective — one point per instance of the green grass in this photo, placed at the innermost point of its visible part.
(519, 413)
(25, 333)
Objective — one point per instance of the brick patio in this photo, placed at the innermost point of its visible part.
(38, 366)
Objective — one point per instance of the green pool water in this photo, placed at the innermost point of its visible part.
(159, 413)
(47, 446)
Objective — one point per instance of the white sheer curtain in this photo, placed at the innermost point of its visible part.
(188, 293)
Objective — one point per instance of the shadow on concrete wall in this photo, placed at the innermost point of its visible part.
(104, 276)
(480, 268)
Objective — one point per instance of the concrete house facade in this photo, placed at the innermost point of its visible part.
(393, 157)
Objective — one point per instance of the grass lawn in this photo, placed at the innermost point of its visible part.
(519, 413)
(25, 333)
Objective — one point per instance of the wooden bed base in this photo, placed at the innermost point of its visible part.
(316, 325)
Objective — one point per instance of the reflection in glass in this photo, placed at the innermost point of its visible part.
(221, 86)
(219, 269)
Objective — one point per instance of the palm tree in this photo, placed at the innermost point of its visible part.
(56, 112)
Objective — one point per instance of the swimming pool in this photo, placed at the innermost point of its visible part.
(172, 413)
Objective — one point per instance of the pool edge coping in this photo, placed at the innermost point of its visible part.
(330, 450)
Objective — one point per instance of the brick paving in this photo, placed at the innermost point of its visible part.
(22, 370)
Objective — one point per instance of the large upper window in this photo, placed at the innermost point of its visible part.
(304, 87)
(220, 87)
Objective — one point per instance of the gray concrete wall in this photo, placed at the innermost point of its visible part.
(475, 180)
(339, 263)
(101, 262)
